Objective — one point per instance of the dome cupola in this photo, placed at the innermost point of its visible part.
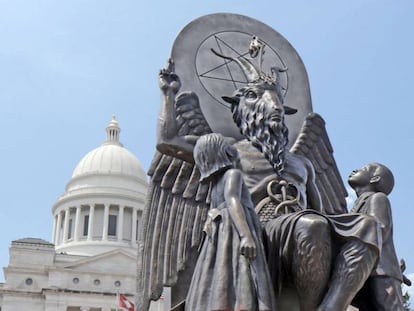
(112, 132)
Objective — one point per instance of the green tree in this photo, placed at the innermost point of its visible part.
(406, 299)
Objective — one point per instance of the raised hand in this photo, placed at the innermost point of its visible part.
(169, 82)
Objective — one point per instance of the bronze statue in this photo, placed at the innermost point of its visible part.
(232, 240)
(299, 244)
(296, 238)
(372, 183)
(318, 255)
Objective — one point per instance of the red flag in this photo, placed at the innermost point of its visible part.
(125, 303)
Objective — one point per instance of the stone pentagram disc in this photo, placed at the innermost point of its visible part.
(212, 77)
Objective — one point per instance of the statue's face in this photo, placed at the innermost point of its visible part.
(259, 114)
(263, 101)
(362, 176)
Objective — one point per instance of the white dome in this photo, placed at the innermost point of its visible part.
(109, 159)
(110, 165)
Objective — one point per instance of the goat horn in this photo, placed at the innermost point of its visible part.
(249, 70)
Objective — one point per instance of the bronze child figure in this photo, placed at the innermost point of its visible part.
(372, 183)
(231, 272)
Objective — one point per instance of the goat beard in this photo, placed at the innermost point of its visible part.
(268, 136)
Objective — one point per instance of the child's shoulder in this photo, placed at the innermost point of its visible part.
(379, 197)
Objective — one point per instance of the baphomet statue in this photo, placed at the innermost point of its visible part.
(318, 256)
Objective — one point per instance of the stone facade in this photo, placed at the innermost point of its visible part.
(38, 278)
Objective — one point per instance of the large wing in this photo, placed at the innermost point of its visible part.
(313, 142)
(174, 214)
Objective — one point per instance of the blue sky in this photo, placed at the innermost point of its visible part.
(67, 66)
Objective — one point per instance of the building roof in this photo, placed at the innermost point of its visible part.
(32, 241)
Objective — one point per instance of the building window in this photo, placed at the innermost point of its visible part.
(75, 280)
(97, 282)
(117, 283)
(70, 229)
(85, 225)
(29, 281)
(112, 225)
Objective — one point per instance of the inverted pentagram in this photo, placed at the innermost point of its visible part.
(221, 72)
(211, 77)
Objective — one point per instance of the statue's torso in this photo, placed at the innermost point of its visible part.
(257, 171)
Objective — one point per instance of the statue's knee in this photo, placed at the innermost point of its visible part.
(315, 225)
(313, 248)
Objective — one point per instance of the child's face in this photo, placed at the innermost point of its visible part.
(362, 176)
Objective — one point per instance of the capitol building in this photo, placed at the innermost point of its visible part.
(93, 253)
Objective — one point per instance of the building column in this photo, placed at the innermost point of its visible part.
(90, 222)
(66, 226)
(134, 225)
(120, 225)
(105, 223)
(77, 223)
(58, 226)
(54, 229)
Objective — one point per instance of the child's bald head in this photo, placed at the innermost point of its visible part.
(382, 178)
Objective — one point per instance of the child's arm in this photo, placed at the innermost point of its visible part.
(380, 208)
(232, 195)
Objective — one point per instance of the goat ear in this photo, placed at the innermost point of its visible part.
(289, 110)
(231, 100)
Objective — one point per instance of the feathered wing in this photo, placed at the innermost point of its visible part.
(313, 142)
(174, 214)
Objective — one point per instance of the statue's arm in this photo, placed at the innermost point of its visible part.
(313, 194)
(168, 140)
(232, 194)
(379, 206)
